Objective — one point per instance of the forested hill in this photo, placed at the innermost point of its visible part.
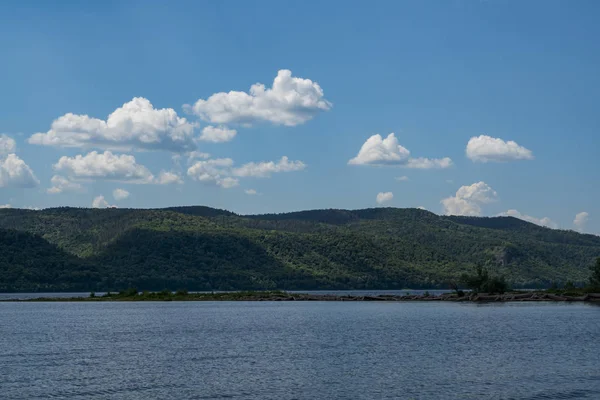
(202, 248)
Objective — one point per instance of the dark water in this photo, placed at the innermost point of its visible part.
(298, 350)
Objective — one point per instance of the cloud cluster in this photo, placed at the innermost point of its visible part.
(379, 151)
(581, 220)
(468, 199)
(290, 101)
(384, 197)
(547, 222)
(60, 184)
(136, 125)
(106, 166)
(488, 149)
(14, 172)
(214, 171)
(220, 171)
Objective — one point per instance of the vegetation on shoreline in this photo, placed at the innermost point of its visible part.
(203, 249)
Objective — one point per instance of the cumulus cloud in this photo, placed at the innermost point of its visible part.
(485, 148)
(60, 184)
(402, 178)
(215, 171)
(136, 125)
(5, 206)
(264, 169)
(120, 194)
(14, 172)
(468, 199)
(7, 145)
(547, 222)
(99, 202)
(379, 151)
(251, 192)
(384, 197)
(167, 178)
(421, 208)
(581, 220)
(290, 101)
(106, 166)
(217, 134)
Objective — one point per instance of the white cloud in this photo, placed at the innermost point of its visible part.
(488, 149)
(581, 220)
(5, 206)
(220, 171)
(107, 166)
(120, 194)
(215, 171)
(166, 178)
(429, 163)
(402, 178)
(99, 202)
(290, 101)
(379, 151)
(264, 169)
(468, 199)
(136, 125)
(217, 134)
(7, 145)
(251, 192)
(384, 197)
(16, 173)
(60, 184)
(547, 222)
(194, 155)
(421, 208)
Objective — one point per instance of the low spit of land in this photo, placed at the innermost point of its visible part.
(517, 296)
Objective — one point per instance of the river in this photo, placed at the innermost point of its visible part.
(299, 350)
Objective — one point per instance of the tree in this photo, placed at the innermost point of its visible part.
(595, 278)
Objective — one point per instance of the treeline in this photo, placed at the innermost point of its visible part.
(200, 248)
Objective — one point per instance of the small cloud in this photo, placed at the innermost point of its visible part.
(60, 184)
(402, 178)
(5, 206)
(251, 192)
(120, 194)
(384, 197)
(485, 148)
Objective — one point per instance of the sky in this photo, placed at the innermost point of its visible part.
(463, 107)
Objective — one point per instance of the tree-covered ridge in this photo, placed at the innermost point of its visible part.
(200, 248)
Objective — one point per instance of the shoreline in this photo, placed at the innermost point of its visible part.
(287, 296)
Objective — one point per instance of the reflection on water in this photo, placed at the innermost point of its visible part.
(299, 350)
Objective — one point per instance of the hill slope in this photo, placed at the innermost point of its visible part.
(200, 248)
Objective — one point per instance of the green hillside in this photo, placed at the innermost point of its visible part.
(201, 248)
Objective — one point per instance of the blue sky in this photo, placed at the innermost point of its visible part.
(436, 74)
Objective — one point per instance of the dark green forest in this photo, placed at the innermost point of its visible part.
(202, 248)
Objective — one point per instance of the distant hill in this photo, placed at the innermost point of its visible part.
(202, 248)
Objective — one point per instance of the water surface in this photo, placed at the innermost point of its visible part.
(299, 350)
